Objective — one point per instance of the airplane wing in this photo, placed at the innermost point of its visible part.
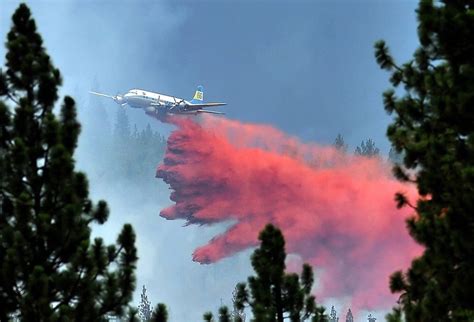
(100, 94)
(210, 112)
(119, 99)
(201, 105)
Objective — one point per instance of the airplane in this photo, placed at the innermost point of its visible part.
(163, 104)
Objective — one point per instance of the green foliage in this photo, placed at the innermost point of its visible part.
(367, 149)
(208, 317)
(394, 316)
(273, 294)
(224, 315)
(240, 297)
(160, 314)
(131, 317)
(50, 269)
(320, 315)
(433, 129)
(144, 307)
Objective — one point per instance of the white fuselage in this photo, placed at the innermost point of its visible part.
(138, 98)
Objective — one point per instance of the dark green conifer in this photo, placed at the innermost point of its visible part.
(50, 269)
(208, 317)
(239, 298)
(160, 314)
(433, 128)
(224, 315)
(274, 295)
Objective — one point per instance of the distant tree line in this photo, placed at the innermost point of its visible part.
(134, 154)
(367, 148)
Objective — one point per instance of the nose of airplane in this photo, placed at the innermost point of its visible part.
(127, 97)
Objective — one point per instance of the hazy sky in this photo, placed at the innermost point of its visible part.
(306, 67)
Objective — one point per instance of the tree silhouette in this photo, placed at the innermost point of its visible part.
(434, 129)
(274, 295)
(367, 148)
(160, 314)
(339, 143)
(50, 269)
(144, 307)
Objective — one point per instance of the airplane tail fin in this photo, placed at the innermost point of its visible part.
(198, 95)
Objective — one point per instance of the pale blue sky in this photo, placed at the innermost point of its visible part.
(306, 67)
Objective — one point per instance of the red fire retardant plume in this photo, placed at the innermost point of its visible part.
(336, 211)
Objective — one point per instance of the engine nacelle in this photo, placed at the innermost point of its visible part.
(119, 99)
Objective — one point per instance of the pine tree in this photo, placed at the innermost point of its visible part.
(367, 149)
(349, 316)
(208, 317)
(370, 318)
(274, 294)
(434, 129)
(333, 316)
(239, 297)
(131, 316)
(320, 315)
(224, 315)
(339, 143)
(50, 270)
(160, 314)
(144, 307)
(394, 316)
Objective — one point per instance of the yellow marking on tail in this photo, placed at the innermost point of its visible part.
(198, 96)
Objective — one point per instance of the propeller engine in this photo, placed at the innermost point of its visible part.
(119, 99)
